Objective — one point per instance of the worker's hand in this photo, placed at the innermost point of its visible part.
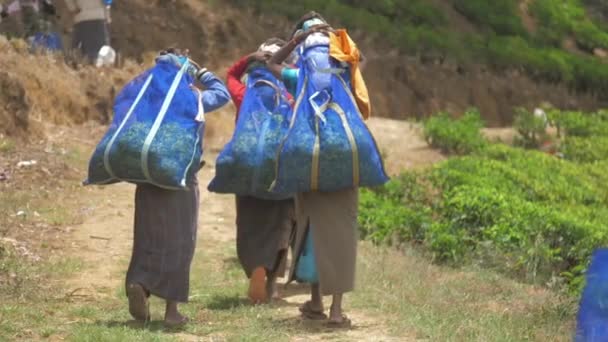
(179, 57)
(259, 56)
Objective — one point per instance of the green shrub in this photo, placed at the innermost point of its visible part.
(560, 18)
(530, 214)
(395, 213)
(585, 149)
(459, 136)
(531, 128)
(581, 124)
(499, 15)
(419, 27)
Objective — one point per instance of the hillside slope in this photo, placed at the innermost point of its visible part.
(424, 56)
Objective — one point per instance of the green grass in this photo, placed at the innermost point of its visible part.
(408, 295)
(435, 303)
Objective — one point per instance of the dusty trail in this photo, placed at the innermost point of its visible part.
(103, 241)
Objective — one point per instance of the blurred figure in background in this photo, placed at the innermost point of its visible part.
(90, 32)
(32, 16)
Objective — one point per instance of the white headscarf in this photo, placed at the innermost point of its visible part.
(270, 48)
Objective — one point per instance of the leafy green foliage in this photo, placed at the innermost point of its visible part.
(172, 155)
(501, 16)
(585, 149)
(395, 213)
(528, 213)
(458, 136)
(531, 128)
(561, 18)
(420, 27)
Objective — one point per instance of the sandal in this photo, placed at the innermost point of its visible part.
(344, 323)
(176, 324)
(139, 307)
(309, 313)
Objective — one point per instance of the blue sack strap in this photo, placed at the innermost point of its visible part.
(157, 122)
(106, 154)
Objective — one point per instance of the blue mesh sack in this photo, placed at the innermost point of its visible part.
(246, 166)
(328, 146)
(592, 320)
(156, 133)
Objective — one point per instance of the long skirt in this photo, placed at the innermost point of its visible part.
(164, 240)
(332, 218)
(89, 36)
(264, 231)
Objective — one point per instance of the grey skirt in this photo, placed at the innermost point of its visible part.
(264, 231)
(164, 240)
(332, 217)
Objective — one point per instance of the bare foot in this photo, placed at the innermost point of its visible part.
(173, 318)
(138, 302)
(257, 286)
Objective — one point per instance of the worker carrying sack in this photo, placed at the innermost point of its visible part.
(328, 146)
(156, 134)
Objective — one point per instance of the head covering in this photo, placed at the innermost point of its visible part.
(271, 48)
(312, 22)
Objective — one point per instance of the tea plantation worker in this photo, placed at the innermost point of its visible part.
(166, 224)
(331, 216)
(90, 31)
(264, 226)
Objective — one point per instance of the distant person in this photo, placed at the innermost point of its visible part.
(264, 226)
(35, 16)
(90, 32)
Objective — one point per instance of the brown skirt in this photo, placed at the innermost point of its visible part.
(332, 217)
(164, 240)
(264, 230)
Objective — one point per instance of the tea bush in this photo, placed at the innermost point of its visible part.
(531, 128)
(532, 215)
(458, 136)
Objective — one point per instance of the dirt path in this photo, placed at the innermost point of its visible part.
(103, 241)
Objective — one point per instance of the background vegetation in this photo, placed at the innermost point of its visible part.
(500, 39)
(533, 215)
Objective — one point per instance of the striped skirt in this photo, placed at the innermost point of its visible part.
(164, 240)
(264, 229)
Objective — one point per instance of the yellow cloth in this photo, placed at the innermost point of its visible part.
(342, 48)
